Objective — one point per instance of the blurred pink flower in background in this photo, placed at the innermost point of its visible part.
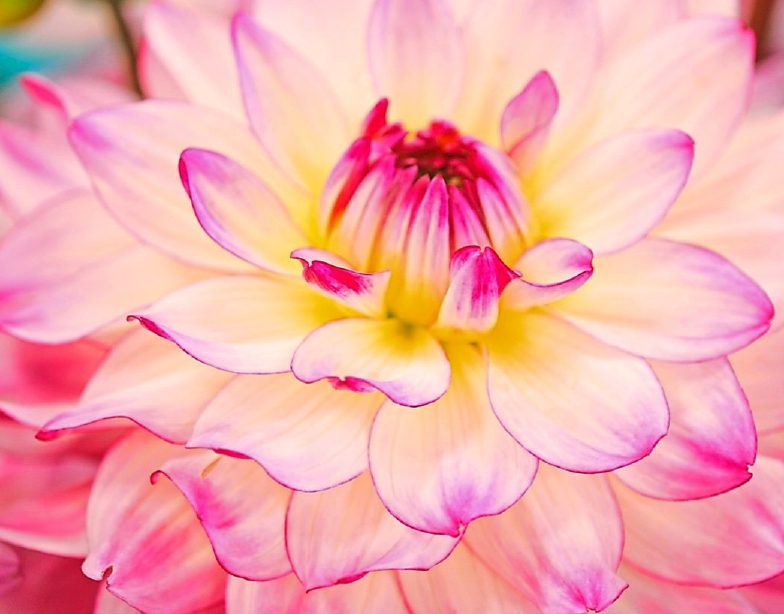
(483, 279)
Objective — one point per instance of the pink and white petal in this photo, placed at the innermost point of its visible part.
(362, 292)
(139, 183)
(549, 271)
(516, 39)
(242, 510)
(339, 52)
(613, 194)
(407, 364)
(243, 324)
(289, 104)
(698, 79)
(240, 213)
(190, 50)
(308, 437)
(439, 467)
(71, 96)
(711, 441)
(767, 597)
(625, 25)
(760, 369)
(417, 58)
(647, 595)
(670, 301)
(10, 572)
(559, 545)
(149, 381)
(526, 120)
(478, 277)
(337, 536)
(130, 520)
(376, 592)
(548, 385)
(725, 541)
(97, 295)
(462, 583)
(729, 8)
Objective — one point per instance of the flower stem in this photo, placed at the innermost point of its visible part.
(126, 40)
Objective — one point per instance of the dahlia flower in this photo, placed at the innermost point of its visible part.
(436, 263)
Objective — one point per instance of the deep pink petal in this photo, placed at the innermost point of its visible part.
(670, 301)
(548, 385)
(439, 467)
(559, 545)
(308, 437)
(338, 535)
(10, 574)
(407, 364)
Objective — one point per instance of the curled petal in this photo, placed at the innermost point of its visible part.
(308, 437)
(242, 510)
(549, 271)
(439, 467)
(535, 545)
(244, 324)
(548, 385)
(711, 441)
(729, 540)
(339, 535)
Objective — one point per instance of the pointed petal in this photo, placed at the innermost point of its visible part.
(239, 211)
(446, 589)
(130, 520)
(149, 381)
(711, 441)
(416, 57)
(339, 535)
(439, 467)
(576, 426)
(549, 271)
(535, 545)
(308, 437)
(242, 510)
(405, 363)
(362, 292)
(244, 324)
(376, 592)
(616, 191)
(478, 278)
(729, 540)
(131, 153)
(289, 104)
(526, 120)
(670, 301)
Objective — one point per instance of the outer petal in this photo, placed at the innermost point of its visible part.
(646, 595)
(242, 510)
(548, 385)
(405, 363)
(149, 381)
(730, 540)
(106, 603)
(711, 441)
(670, 301)
(289, 104)
(613, 194)
(131, 154)
(760, 368)
(339, 535)
(462, 583)
(439, 467)
(559, 545)
(416, 57)
(130, 521)
(377, 593)
(307, 437)
(625, 25)
(550, 270)
(244, 324)
(767, 597)
(10, 576)
(189, 52)
(239, 211)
